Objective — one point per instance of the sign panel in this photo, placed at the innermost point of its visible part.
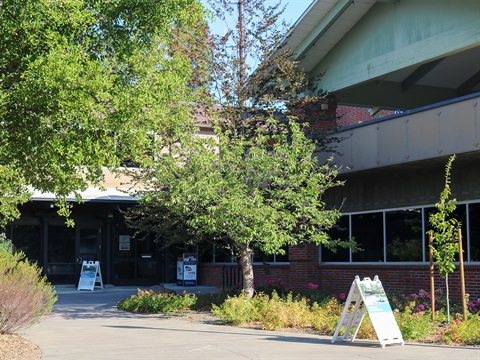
(368, 295)
(90, 275)
(124, 242)
(187, 270)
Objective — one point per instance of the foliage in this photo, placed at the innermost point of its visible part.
(445, 229)
(25, 296)
(413, 324)
(464, 332)
(293, 311)
(240, 309)
(148, 302)
(88, 83)
(271, 286)
(444, 234)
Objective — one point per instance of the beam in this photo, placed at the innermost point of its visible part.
(467, 86)
(419, 73)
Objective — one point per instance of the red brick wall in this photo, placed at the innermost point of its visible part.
(212, 274)
(407, 279)
(304, 268)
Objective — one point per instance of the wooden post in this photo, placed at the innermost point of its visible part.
(432, 275)
(462, 275)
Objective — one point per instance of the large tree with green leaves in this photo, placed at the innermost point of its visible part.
(85, 83)
(263, 192)
(258, 185)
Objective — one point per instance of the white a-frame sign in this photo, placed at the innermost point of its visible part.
(90, 276)
(368, 295)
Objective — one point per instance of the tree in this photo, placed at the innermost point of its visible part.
(261, 193)
(444, 232)
(259, 186)
(85, 83)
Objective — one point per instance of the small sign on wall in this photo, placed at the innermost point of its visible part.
(124, 243)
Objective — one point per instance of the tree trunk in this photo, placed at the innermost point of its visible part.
(247, 269)
(448, 299)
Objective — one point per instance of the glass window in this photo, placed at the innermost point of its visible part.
(260, 256)
(474, 213)
(367, 231)
(61, 244)
(27, 238)
(404, 235)
(460, 215)
(339, 231)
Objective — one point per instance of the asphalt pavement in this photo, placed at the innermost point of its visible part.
(87, 325)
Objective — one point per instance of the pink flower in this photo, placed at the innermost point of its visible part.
(342, 297)
(457, 321)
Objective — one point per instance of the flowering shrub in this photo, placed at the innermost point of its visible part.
(271, 286)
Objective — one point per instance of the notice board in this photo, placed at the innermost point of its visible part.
(90, 275)
(368, 295)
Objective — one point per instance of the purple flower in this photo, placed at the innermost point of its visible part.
(421, 307)
(342, 297)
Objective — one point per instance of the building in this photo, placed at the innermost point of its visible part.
(420, 60)
(416, 60)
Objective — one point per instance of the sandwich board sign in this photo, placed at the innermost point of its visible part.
(368, 295)
(90, 275)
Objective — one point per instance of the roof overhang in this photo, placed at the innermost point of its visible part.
(390, 53)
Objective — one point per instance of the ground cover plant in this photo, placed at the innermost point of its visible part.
(312, 310)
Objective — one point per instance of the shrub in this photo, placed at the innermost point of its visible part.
(205, 301)
(25, 295)
(413, 324)
(466, 332)
(240, 309)
(285, 312)
(148, 302)
(325, 316)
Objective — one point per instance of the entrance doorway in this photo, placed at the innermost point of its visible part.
(67, 248)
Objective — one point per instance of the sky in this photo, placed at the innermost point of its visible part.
(293, 11)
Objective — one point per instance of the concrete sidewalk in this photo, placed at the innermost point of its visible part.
(87, 325)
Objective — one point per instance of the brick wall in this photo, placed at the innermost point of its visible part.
(304, 268)
(407, 279)
(213, 274)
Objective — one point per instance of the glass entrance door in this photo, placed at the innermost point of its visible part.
(87, 246)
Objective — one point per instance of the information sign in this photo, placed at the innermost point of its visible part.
(187, 270)
(90, 276)
(368, 295)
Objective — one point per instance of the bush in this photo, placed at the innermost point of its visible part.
(466, 332)
(25, 295)
(414, 325)
(205, 301)
(240, 309)
(149, 302)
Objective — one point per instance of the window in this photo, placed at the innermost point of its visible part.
(367, 230)
(341, 232)
(404, 235)
(474, 234)
(26, 238)
(400, 235)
